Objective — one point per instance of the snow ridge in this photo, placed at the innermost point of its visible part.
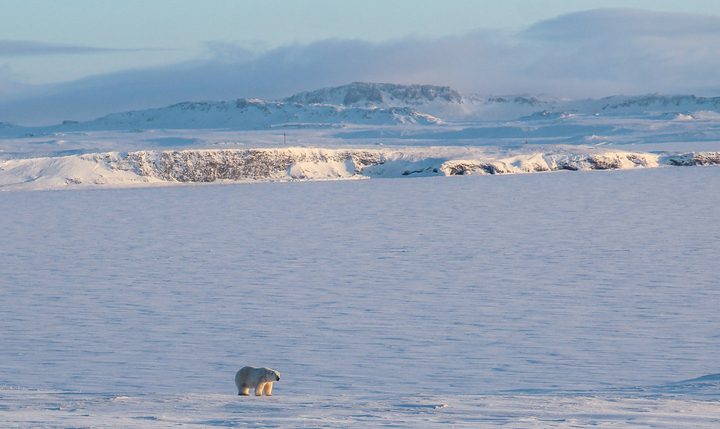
(661, 101)
(696, 158)
(249, 114)
(143, 168)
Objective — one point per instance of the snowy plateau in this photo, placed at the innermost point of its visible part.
(512, 261)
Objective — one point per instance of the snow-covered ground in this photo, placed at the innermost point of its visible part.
(570, 299)
(71, 410)
(522, 301)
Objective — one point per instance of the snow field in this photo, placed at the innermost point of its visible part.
(49, 409)
(554, 300)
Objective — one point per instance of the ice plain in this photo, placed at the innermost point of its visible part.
(570, 299)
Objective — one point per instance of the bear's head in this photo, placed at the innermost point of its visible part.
(272, 375)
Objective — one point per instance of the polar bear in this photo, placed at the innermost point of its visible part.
(260, 379)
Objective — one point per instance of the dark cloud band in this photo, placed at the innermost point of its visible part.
(17, 48)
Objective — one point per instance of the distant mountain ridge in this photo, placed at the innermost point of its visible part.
(368, 94)
(660, 101)
(382, 104)
(259, 114)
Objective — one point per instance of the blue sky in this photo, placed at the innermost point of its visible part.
(93, 57)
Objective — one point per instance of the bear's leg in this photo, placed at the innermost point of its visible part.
(268, 388)
(259, 389)
(244, 391)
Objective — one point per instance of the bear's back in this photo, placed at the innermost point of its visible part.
(243, 373)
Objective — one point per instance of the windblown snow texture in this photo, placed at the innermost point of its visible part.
(530, 300)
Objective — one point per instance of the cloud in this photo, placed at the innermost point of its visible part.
(623, 23)
(9, 82)
(16, 48)
(587, 54)
(626, 50)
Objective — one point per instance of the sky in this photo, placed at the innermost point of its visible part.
(82, 58)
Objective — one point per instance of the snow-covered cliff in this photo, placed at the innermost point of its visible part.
(142, 168)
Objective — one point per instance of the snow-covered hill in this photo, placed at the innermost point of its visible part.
(441, 101)
(449, 104)
(250, 114)
(657, 104)
(384, 104)
(6, 126)
(142, 168)
(368, 94)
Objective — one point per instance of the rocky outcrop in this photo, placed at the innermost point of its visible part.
(233, 165)
(551, 162)
(696, 158)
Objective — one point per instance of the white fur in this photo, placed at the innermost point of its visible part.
(259, 379)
